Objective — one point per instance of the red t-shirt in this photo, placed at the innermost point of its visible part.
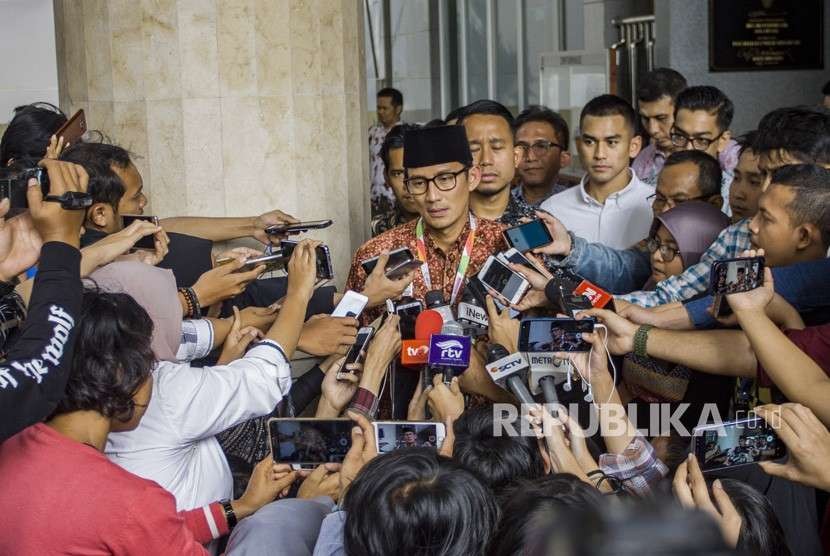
(61, 496)
(814, 341)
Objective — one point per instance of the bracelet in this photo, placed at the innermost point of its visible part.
(194, 310)
(230, 515)
(188, 307)
(641, 340)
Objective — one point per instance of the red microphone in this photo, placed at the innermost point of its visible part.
(415, 353)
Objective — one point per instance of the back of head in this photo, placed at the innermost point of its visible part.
(498, 460)
(416, 502)
(659, 83)
(802, 131)
(709, 99)
(112, 356)
(29, 132)
(531, 509)
(486, 107)
(394, 140)
(98, 159)
(811, 204)
(537, 113)
(610, 105)
(708, 169)
(392, 93)
(761, 532)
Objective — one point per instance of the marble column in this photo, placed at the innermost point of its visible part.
(231, 107)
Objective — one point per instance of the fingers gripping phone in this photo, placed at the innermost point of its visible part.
(325, 268)
(147, 242)
(358, 350)
(736, 443)
(734, 276)
(528, 236)
(502, 280)
(401, 261)
(298, 228)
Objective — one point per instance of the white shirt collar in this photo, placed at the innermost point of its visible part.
(586, 197)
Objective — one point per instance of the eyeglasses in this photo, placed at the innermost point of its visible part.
(667, 252)
(539, 148)
(680, 139)
(659, 202)
(445, 181)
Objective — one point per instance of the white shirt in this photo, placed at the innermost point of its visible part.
(174, 444)
(622, 221)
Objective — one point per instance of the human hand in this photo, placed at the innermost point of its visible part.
(561, 245)
(268, 481)
(324, 335)
(53, 222)
(55, 148)
(808, 443)
(535, 296)
(323, 481)
(378, 287)
(692, 491)
(19, 243)
(114, 245)
(302, 269)
(552, 430)
(224, 282)
(336, 394)
(237, 340)
(634, 313)
(445, 403)
(620, 330)
(385, 345)
(260, 318)
(591, 365)
(272, 218)
(243, 253)
(363, 450)
(503, 329)
(161, 247)
(417, 409)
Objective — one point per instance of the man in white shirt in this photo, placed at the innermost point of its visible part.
(610, 205)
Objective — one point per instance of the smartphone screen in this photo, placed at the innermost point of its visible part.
(408, 312)
(359, 347)
(310, 441)
(530, 235)
(737, 275)
(552, 335)
(396, 258)
(394, 435)
(324, 266)
(147, 242)
(735, 443)
(502, 279)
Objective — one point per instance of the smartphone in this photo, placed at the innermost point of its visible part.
(147, 242)
(73, 129)
(403, 269)
(358, 349)
(736, 275)
(538, 335)
(394, 435)
(271, 262)
(325, 269)
(396, 258)
(502, 280)
(408, 312)
(299, 227)
(573, 304)
(529, 235)
(736, 443)
(351, 305)
(307, 443)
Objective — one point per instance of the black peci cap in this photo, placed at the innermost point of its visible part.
(436, 145)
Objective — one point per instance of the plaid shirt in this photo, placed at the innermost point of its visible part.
(695, 279)
(638, 467)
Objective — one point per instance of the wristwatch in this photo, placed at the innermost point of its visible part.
(230, 515)
(641, 340)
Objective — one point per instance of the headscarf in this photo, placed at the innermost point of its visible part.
(154, 289)
(694, 225)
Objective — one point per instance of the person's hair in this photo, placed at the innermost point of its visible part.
(454, 114)
(112, 356)
(826, 89)
(761, 532)
(394, 94)
(811, 201)
(27, 135)
(531, 505)
(486, 107)
(394, 140)
(610, 105)
(417, 502)
(802, 131)
(537, 113)
(498, 460)
(105, 186)
(747, 141)
(708, 169)
(710, 99)
(659, 83)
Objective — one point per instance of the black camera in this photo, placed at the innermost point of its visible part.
(14, 183)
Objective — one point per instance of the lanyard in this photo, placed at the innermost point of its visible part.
(421, 247)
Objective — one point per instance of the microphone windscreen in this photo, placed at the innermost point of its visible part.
(496, 352)
(429, 322)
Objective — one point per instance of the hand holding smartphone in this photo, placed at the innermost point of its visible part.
(298, 228)
(736, 443)
(734, 276)
(147, 242)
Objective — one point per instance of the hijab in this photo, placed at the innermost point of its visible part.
(694, 225)
(154, 289)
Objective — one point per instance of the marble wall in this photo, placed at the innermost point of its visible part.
(231, 107)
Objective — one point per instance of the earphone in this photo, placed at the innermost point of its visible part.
(589, 397)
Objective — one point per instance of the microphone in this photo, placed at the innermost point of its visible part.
(472, 315)
(434, 300)
(509, 370)
(449, 350)
(415, 353)
(544, 373)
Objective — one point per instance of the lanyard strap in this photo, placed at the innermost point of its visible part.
(421, 247)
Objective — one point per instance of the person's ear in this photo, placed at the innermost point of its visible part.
(564, 159)
(807, 235)
(100, 215)
(716, 201)
(724, 139)
(473, 177)
(635, 146)
(518, 155)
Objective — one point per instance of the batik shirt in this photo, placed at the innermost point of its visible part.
(381, 196)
